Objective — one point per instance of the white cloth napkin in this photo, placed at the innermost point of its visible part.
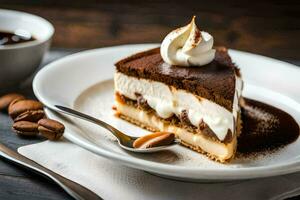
(111, 180)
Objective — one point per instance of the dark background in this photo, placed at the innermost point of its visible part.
(265, 27)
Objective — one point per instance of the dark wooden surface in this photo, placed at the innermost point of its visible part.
(17, 184)
(268, 27)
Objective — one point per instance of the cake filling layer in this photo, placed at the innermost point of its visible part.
(167, 101)
(220, 151)
(181, 120)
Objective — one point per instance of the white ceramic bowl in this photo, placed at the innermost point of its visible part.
(19, 61)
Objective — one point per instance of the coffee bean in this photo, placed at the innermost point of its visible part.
(8, 98)
(14, 101)
(51, 129)
(31, 116)
(22, 106)
(25, 128)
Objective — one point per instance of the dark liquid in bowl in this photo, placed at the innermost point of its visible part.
(7, 38)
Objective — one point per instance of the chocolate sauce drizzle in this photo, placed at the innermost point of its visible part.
(265, 128)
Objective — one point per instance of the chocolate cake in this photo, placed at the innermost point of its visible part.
(185, 87)
(214, 81)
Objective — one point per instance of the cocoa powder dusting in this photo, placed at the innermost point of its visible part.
(265, 128)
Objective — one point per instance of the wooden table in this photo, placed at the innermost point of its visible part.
(15, 182)
(267, 27)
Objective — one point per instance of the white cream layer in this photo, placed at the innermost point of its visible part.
(167, 100)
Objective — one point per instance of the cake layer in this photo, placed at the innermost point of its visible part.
(168, 101)
(181, 120)
(199, 142)
(214, 81)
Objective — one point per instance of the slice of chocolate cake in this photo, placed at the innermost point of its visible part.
(199, 104)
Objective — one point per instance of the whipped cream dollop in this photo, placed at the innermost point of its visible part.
(188, 46)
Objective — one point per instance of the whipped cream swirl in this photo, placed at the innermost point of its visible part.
(188, 46)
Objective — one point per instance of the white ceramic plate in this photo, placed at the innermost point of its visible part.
(84, 81)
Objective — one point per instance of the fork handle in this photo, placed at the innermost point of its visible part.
(73, 189)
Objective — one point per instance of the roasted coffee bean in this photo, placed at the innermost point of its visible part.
(22, 106)
(51, 129)
(25, 128)
(15, 101)
(31, 116)
(8, 98)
